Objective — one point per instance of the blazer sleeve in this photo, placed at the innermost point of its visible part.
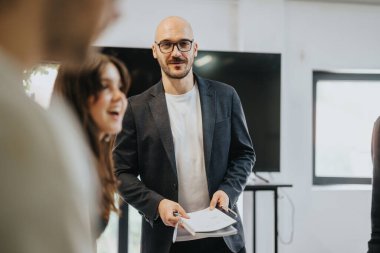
(242, 155)
(125, 155)
(374, 242)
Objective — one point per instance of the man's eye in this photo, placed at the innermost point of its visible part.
(183, 43)
(166, 45)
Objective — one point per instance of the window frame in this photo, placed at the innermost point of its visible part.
(123, 228)
(319, 75)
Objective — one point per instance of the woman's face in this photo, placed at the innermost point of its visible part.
(108, 110)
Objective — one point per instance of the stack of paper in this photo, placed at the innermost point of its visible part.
(206, 223)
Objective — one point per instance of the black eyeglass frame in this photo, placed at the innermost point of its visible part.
(175, 44)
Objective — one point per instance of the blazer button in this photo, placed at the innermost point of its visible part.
(175, 186)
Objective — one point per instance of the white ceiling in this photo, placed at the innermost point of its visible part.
(377, 2)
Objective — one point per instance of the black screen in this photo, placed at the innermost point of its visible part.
(255, 76)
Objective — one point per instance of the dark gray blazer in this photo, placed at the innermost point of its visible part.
(145, 148)
(374, 242)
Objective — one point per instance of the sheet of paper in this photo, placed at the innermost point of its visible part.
(207, 220)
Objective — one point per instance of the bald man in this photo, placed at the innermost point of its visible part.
(186, 139)
(47, 187)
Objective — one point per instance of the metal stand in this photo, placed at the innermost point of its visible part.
(266, 187)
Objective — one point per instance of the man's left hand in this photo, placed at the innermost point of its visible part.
(221, 199)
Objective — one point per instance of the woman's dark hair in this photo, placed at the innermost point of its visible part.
(76, 86)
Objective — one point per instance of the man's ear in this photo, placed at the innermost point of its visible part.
(154, 51)
(195, 49)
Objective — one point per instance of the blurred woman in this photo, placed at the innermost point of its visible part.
(97, 93)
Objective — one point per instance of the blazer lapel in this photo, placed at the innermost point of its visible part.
(160, 115)
(207, 97)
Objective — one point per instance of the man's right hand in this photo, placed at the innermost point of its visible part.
(166, 210)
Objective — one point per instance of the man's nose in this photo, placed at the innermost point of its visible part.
(176, 51)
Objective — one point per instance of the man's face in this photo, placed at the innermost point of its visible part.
(72, 25)
(175, 64)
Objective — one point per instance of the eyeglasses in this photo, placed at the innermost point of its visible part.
(168, 46)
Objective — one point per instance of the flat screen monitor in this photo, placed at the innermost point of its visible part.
(255, 76)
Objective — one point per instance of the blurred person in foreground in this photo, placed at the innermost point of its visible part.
(96, 91)
(184, 147)
(47, 189)
(374, 242)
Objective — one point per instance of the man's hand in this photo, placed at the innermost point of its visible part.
(221, 199)
(166, 210)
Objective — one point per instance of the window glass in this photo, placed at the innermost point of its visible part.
(345, 109)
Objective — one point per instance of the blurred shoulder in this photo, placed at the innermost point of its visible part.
(377, 122)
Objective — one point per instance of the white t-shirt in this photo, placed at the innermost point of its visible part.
(186, 124)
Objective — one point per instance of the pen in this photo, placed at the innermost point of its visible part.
(231, 211)
(183, 223)
(175, 232)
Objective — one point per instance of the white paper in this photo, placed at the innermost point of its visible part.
(207, 220)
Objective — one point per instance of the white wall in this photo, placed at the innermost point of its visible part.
(231, 25)
(310, 35)
(323, 36)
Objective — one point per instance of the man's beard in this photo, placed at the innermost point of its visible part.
(169, 73)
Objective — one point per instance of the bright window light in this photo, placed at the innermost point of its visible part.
(345, 111)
